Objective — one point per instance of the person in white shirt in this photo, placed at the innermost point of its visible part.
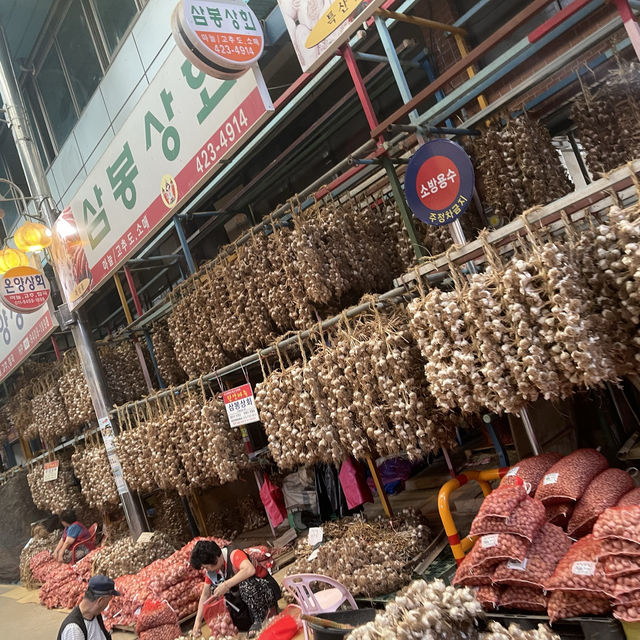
(85, 621)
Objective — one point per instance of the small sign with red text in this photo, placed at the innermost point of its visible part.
(240, 405)
(51, 470)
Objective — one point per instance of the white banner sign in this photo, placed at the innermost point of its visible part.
(20, 334)
(240, 405)
(185, 124)
(319, 27)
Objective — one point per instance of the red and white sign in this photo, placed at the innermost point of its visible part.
(24, 289)
(240, 405)
(51, 470)
(220, 37)
(20, 335)
(439, 182)
(175, 139)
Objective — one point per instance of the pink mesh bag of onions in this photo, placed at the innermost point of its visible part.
(548, 548)
(466, 576)
(163, 632)
(502, 502)
(569, 478)
(619, 565)
(559, 513)
(525, 520)
(618, 547)
(155, 613)
(491, 549)
(579, 570)
(531, 470)
(604, 491)
(619, 522)
(568, 604)
(524, 598)
(631, 498)
(489, 596)
(626, 584)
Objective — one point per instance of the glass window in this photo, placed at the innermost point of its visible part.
(114, 16)
(56, 96)
(38, 124)
(79, 54)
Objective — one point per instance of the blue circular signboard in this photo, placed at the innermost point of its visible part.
(439, 182)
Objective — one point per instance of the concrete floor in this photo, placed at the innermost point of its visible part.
(22, 616)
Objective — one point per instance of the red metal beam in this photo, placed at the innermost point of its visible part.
(461, 66)
(134, 292)
(557, 19)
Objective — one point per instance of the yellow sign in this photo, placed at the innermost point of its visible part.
(169, 191)
(332, 19)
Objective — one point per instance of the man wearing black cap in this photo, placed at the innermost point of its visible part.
(85, 621)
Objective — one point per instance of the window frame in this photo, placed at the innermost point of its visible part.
(48, 39)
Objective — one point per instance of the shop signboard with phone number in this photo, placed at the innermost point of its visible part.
(240, 405)
(20, 334)
(439, 182)
(184, 125)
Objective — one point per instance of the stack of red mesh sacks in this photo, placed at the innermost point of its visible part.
(511, 521)
(618, 533)
(157, 621)
(83, 566)
(507, 524)
(174, 580)
(122, 609)
(171, 579)
(61, 585)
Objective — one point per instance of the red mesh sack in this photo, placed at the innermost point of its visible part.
(466, 576)
(525, 520)
(619, 522)
(155, 613)
(492, 549)
(604, 491)
(285, 626)
(502, 502)
(630, 499)
(628, 612)
(530, 471)
(626, 584)
(217, 618)
(615, 566)
(568, 604)
(579, 569)
(163, 632)
(569, 478)
(489, 596)
(548, 548)
(618, 547)
(631, 597)
(559, 513)
(523, 598)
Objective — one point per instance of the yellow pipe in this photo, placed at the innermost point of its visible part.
(123, 298)
(420, 22)
(462, 48)
(460, 547)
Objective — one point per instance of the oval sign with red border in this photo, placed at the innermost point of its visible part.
(439, 182)
(220, 37)
(24, 289)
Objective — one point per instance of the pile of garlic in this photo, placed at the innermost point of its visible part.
(368, 558)
(56, 495)
(91, 467)
(365, 394)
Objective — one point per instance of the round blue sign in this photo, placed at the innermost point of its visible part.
(439, 182)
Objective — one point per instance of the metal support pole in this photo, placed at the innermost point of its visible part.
(377, 481)
(405, 212)
(56, 349)
(154, 361)
(528, 427)
(39, 187)
(184, 244)
(136, 344)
